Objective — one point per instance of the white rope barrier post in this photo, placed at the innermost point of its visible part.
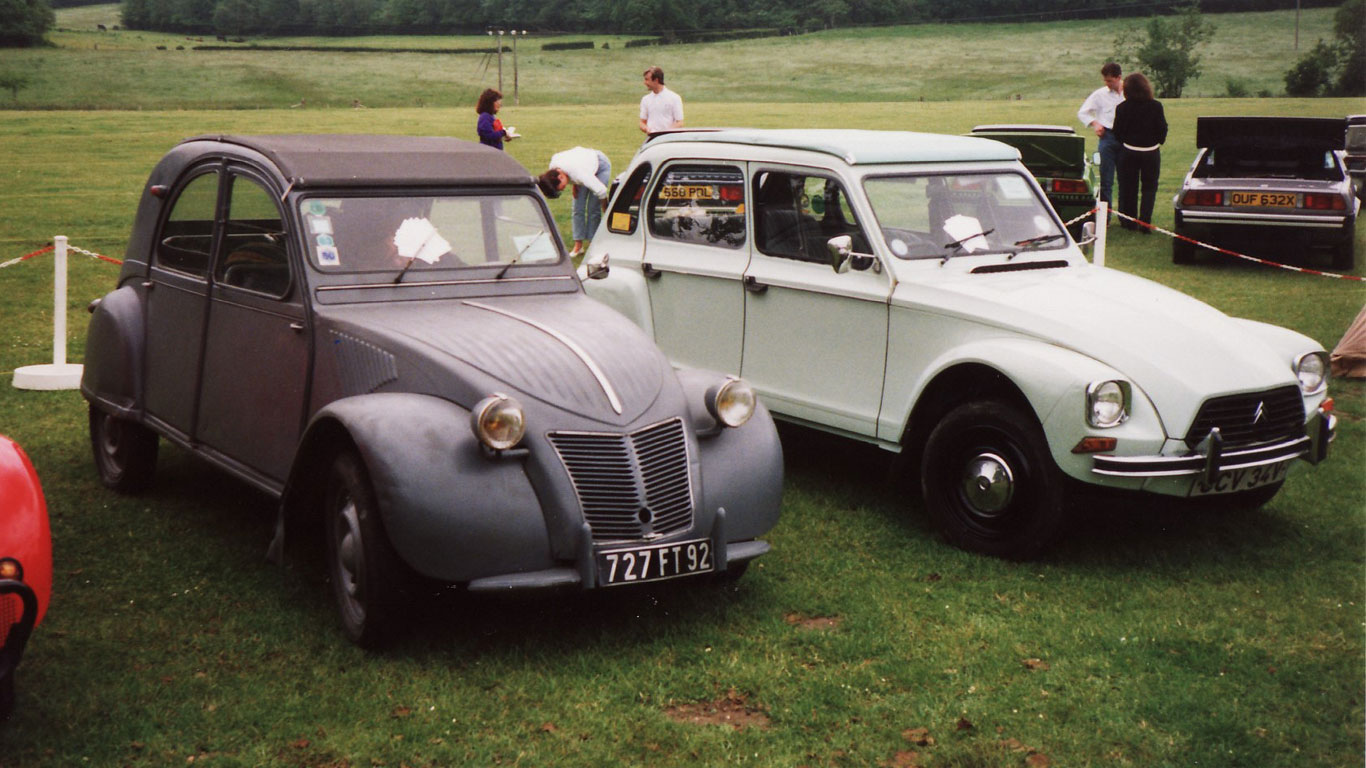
(60, 374)
(1102, 218)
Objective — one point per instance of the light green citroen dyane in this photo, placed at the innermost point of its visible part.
(917, 292)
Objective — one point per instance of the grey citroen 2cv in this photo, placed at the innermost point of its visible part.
(385, 334)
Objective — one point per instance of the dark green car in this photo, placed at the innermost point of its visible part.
(1056, 155)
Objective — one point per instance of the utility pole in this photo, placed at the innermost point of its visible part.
(516, 96)
(1297, 25)
(500, 32)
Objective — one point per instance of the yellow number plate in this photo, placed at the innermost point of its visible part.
(687, 192)
(1264, 199)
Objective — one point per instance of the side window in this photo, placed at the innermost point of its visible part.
(625, 214)
(795, 215)
(253, 242)
(187, 236)
(702, 204)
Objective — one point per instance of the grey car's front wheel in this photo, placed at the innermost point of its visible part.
(990, 483)
(125, 451)
(361, 564)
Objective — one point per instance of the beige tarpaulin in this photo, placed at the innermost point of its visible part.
(1349, 356)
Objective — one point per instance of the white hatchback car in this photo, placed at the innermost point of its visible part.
(917, 292)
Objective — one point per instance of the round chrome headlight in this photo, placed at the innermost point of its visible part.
(498, 422)
(1107, 403)
(731, 402)
(1312, 371)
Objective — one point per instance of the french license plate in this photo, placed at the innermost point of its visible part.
(1263, 199)
(1235, 480)
(661, 561)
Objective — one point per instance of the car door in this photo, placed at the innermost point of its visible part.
(256, 349)
(815, 344)
(176, 292)
(696, 250)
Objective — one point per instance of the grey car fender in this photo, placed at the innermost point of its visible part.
(452, 510)
(112, 376)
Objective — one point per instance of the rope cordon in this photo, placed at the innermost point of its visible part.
(1235, 254)
(48, 248)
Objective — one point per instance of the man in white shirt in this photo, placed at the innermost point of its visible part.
(589, 171)
(1098, 112)
(661, 108)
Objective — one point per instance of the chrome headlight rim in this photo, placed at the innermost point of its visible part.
(1318, 380)
(1114, 392)
(732, 402)
(498, 422)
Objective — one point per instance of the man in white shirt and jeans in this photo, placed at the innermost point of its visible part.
(661, 108)
(1098, 112)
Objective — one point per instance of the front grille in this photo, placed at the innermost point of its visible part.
(1256, 417)
(630, 486)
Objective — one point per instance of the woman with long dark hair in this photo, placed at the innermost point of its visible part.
(489, 127)
(1141, 127)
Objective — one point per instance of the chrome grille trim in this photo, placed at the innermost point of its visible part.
(616, 476)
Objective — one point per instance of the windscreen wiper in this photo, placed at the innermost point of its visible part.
(958, 244)
(1030, 243)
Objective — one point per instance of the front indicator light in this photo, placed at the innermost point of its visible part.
(731, 402)
(1107, 403)
(499, 422)
(10, 569)
(1312, 371)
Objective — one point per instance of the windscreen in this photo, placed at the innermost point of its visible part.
(945, 215)
(425, 233)
(1267, 163)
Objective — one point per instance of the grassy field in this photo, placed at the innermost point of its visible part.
(1151, 637)
(124, 69)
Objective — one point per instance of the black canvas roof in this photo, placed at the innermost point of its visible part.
(318, 160)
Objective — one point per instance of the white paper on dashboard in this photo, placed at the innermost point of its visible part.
(532, 248)
(966, 231)
(418, 239)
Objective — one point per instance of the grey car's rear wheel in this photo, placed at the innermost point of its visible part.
(361, 564)
(1182, 251)
(990, 482)
(125, 451)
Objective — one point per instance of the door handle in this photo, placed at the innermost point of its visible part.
(296, 327)
(754, 286)
(648, 269)
(148, 284)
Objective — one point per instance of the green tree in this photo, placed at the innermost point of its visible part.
(1166, 51)
(13, 82)
(1349, 27)
(1313, 72)
(24, 22)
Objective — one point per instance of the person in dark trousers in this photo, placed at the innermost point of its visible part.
(1098, 114)
(1141, 127)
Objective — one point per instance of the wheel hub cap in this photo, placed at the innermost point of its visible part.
(988, 484)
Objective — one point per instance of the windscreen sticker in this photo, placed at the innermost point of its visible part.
(328, 256)
(621, 222)
(899, 248)
(317, 207)
(325, 240)
(320, 225)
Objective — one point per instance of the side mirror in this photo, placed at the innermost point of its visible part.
(840, 247)
(1088, 230)
(595, 267)
(843, 258)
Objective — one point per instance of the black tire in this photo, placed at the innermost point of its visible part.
(1182, 251)
(125, 451)
(364, 571)
(1344, 255)
(1016, 515)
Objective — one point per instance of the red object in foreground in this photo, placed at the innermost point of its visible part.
(25, 562)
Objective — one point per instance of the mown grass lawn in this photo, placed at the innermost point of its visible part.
(1151, 637)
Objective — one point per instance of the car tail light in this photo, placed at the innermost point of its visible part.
(1202, 197)
(1069, 186)
(1321, 202)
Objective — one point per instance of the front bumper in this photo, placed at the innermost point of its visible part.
(584, 573)
(1212, 457)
